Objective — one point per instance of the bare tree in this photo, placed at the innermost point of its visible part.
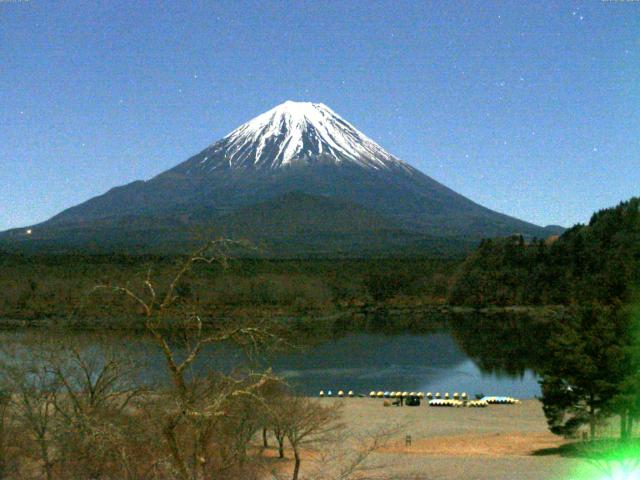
(95, 428)
(195, 404)
(67, 406)
(309, 424)
(277, 418)
(351, 456)
(33, 395)
(336, 453)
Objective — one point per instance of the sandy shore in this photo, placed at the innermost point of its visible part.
(497, 442)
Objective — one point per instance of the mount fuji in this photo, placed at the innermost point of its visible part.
(299, 179)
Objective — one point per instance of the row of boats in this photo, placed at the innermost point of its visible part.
(434, 400)
(428, 396)
(481, 402)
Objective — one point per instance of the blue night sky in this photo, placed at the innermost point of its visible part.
(530, 108)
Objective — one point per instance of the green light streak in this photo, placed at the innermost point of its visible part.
(607, 460)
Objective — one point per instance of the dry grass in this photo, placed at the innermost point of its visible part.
(491, 444)
(497, 442)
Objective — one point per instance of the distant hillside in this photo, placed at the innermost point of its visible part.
(291, 225)
(595, 262)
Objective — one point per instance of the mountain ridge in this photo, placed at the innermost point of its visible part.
(295, 147)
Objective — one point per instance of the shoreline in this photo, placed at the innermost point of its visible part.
(410, 316)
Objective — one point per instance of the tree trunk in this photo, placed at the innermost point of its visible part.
(3, 460)
(172, 443)
(592, 420)
(44, 453)
(280, 447)
(296, 467)
(625, 425)
(3, 434)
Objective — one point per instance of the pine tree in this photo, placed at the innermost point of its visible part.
(584, 371)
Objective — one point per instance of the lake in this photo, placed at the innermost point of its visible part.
(437, 361)
(407, 362)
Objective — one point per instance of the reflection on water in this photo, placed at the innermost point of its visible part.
(420, 362)
(475, 354)
(504, 343)
(469, 378)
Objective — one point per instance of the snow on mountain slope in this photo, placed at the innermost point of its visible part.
(296, 133)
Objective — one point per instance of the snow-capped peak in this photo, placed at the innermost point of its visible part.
(298, 133)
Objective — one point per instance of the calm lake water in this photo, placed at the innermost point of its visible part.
(413, 362)
(439, 361)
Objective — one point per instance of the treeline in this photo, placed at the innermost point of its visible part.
(588, 356)
(598, 262)
(57, 286)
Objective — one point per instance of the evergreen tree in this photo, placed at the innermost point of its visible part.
(599, 262)
(626, 403)
(585, 369)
